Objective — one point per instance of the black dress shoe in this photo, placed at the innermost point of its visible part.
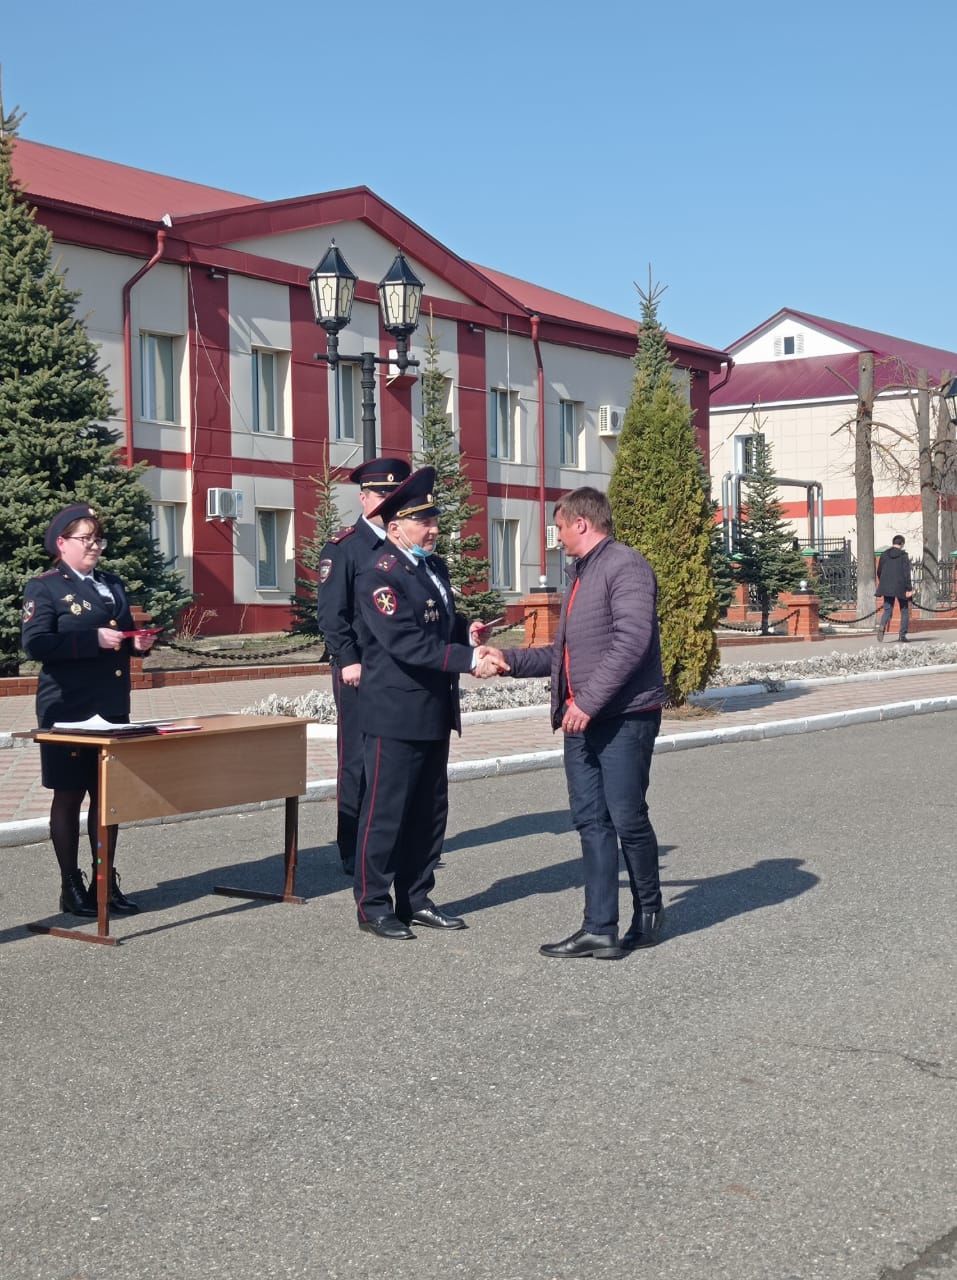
(435, 918)
(74, 896)
(644, 930)
(603, 946)
(349, 869)
(387, 927)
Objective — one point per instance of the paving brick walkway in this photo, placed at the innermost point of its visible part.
(22, 797)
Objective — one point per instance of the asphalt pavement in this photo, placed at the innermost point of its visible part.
(252, 1090)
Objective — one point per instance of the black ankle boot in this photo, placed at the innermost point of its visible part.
(119, 902)
(74, 897)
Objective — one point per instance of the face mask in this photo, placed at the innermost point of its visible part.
(413, 549)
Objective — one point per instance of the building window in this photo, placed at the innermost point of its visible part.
(158, 385)
(266, 387)
(569, 433)
(348, 401)
(504, 554)
(167, 531)
(789, 345)
(502, 420)
(267, 550)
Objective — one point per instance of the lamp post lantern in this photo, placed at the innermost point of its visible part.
(949, 392)
(332, 288)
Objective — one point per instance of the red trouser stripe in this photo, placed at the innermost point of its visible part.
(365, 838)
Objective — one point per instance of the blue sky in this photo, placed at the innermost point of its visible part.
(757, 155)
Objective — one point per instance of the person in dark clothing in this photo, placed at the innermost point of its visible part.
(607, 695)
(73, 619)
(339, 562)
(894, 583)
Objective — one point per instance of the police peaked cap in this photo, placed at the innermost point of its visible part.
(63, 519)
(380, 473)
(414, 498)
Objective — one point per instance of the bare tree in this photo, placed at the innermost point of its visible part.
(864, 482)
(946, 452)
(930, 551)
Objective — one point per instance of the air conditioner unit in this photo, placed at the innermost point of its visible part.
(610, 418)
(551, 537)
(224, 504)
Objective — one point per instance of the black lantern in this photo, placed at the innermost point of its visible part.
(949, 392)
(332, 286)
(400, 296)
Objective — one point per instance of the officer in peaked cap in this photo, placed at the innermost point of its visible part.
(416, 646)
(339, 563)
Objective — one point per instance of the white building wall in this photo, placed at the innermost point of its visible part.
(259, 318)
(816, 342)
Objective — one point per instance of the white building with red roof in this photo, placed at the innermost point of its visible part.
(795, 378)
(199, 301)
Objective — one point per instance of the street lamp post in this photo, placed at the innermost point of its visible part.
(332, 286)
(949, 393)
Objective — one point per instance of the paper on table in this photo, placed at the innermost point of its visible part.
(96, 724)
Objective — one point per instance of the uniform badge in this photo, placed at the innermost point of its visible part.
(385, 563)
(325, 569)
(86, 604)
(431, 612)
(75, 608)
(68, 599)
(384, 600)
(29, 609)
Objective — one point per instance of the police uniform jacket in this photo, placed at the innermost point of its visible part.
(415, 651)
(339, 562)
(78, 679)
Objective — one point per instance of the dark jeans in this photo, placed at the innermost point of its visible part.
(904, 603)
(607, 768)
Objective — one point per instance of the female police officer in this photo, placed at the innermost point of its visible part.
(72, 619)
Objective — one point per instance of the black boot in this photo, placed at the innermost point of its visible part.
(120, 904)
(644, 930)
(74, 897)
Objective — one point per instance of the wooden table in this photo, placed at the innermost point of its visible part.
(229, 760)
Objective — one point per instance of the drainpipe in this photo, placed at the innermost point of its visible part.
(128, 337)
(543, 569)
(718, 385)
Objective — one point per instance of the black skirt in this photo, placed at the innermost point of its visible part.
(69, 767)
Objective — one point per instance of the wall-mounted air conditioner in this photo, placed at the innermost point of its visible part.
(224, 504)
(610, 418)
(551, 537)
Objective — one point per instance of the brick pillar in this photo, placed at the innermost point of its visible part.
(807, 624)
(739, 608)
(140, 619)
(541, 610)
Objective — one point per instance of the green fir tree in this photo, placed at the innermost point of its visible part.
(661, 507)
(327, 520)
(766, 560)
(453, 490)
(56, 448)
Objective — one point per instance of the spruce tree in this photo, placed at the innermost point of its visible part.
(661, 507)
(766, 559)
(327, 520)
(453, 489)
(56, 448)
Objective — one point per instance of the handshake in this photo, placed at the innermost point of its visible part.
(489, 662)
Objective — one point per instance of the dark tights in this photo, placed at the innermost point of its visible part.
(65, 829)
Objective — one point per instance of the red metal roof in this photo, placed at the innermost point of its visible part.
(557, 306)
(792, 378)
(48, 172)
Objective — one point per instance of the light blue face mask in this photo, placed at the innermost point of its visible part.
(420, 553)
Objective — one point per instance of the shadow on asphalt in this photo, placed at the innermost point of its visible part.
(514, 827)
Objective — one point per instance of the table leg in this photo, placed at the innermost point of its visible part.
(290, 852)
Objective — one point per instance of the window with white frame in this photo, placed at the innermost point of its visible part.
(502, 424)
(158, 377)
(569, 420)
(267, 391)
(167, 531)
(348, 406)
(267, 550)
(504, 557)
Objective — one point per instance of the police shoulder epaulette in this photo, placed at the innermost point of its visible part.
(340, 534)
(386, 562)
(50, 573)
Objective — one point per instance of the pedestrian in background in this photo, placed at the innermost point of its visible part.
(894, 583)
(73, 617)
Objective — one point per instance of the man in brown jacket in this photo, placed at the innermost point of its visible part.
(607, 694)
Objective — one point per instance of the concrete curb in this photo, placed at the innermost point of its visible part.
(32, 830)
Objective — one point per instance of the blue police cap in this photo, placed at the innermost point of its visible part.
(381, 473)
(63, 519)
(414, 499)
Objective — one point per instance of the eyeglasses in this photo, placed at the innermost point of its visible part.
(87, 542)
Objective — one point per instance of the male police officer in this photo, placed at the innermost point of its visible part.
(339, 562)
(408, 705)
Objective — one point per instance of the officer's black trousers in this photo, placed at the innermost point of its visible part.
(350, 774)
(402, 824)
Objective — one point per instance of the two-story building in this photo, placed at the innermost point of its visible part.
(198, 299)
